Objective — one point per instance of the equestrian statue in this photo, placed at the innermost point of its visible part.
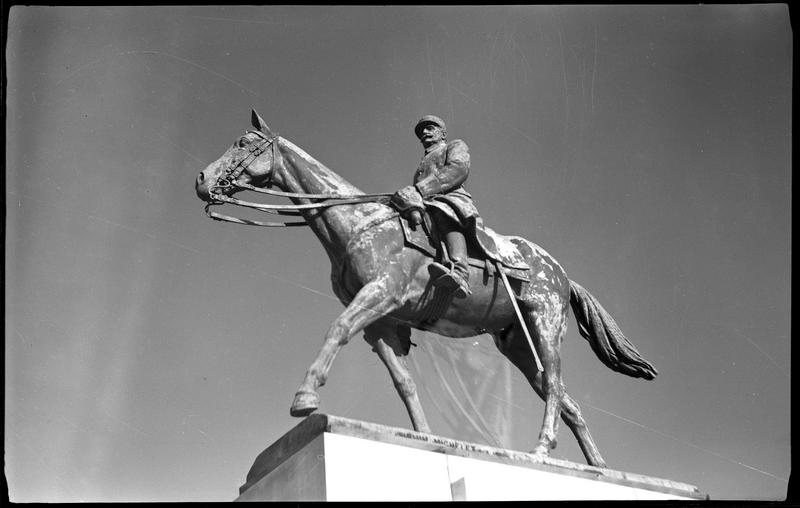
(422, 258)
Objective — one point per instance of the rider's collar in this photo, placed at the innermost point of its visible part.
(434, 147)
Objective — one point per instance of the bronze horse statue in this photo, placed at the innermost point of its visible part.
(381, 281)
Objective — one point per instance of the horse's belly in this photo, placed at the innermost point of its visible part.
(454, 329)
(488, 309)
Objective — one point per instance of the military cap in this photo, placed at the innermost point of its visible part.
(435, 120)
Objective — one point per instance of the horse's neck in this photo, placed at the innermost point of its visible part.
(312, 176)
(335, 225)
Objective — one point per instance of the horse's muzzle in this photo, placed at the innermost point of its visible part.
(202, 187)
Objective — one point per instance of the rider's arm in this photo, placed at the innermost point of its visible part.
(451, 175)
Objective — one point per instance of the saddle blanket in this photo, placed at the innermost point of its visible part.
(490, 245)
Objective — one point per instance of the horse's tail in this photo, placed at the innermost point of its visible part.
(607, 341)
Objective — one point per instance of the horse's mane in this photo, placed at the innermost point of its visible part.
(331, 177)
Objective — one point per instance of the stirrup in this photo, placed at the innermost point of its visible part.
(437, 270)
(446, 278)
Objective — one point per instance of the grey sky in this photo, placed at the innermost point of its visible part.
(151, 353)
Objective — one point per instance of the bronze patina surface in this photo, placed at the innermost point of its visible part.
(381, 281)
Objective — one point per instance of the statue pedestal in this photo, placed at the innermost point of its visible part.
(329, 458)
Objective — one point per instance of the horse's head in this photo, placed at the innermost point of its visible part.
(249, 160)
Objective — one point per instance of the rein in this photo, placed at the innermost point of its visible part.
(228, 182)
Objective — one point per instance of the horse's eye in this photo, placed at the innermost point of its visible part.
(242, 142)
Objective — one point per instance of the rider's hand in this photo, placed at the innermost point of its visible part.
(414, 218)
(407, 198)
(408, 201)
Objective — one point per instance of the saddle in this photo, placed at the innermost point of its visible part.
(484, 245)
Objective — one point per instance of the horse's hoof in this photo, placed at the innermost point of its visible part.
(541, 451)
(304, 404)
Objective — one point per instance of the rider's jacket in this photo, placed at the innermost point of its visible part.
(440, 178)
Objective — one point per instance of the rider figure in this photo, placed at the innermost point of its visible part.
(439, 181)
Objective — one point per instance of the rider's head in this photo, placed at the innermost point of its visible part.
(430, 130)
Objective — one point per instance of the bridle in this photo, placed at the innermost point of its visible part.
(228, 181)
(233, 172)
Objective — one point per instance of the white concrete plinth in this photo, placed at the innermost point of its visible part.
(329, 458)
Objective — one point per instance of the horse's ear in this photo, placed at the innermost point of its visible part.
(259, 123)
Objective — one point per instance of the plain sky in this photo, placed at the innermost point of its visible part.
(152, 354)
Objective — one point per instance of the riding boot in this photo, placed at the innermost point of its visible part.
(456, 276)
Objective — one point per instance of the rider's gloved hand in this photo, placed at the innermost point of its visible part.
(408, 201)
(415, 218)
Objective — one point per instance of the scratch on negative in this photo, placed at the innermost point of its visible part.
(430, 68)
(564, 73)
(521, 132)
(685, 442)
(594, 66)
(169, 140)
(256, 21)
(196, 65)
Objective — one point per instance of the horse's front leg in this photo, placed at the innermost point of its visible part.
(392, 343)
(373, 301)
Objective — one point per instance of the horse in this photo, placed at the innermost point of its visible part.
(381, 282)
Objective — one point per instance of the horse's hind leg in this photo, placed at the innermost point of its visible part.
(515, 347)
(392, 345)
(546, 324)
(571, 413)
